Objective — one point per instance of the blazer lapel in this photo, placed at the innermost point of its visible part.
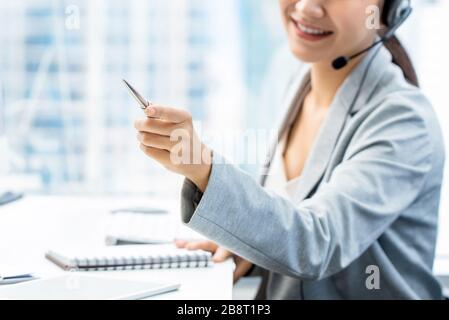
(354, 93)
(351, 96)
(296, 92)
(322, 150)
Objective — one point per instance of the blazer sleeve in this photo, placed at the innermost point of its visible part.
(382, 173)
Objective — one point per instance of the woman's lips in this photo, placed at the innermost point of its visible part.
(308, 32)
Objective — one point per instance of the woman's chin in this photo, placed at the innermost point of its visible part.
(307, 56)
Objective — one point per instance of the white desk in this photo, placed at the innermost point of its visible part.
(33, 225)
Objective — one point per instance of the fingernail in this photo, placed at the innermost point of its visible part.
(151, 111)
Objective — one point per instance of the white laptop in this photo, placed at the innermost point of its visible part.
(81, 286)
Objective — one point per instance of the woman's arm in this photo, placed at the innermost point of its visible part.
(383, 173)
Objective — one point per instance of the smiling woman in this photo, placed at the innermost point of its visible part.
(308, 31)
(353, 185)
(316, 33)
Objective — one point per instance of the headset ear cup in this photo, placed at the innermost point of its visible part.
(394, 11)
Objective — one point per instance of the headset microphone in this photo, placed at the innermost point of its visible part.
(343, 61)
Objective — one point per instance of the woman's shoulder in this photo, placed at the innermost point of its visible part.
(397, 94)
(403, 109)
(412, 102)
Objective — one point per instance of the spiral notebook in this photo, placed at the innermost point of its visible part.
(128, 258)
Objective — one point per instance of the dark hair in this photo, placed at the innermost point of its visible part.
(397, 50)
(402, 59)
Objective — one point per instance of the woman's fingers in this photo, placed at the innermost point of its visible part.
(241, 268)
(221, 255)
(188, 156)
(156, 126)
(202, 245)
(205, 245)
(156, 141)
(161, 156)
(181, 243)
(167, 114)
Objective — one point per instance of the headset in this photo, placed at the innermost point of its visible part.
(395, 13)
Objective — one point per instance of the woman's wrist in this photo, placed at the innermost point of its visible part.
(202, 173)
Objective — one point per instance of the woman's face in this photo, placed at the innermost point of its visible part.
(323, 30)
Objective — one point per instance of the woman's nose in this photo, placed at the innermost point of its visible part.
(310, 8)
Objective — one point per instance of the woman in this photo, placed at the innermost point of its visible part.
(349, 203)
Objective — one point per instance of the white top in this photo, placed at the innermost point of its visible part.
(277, 178)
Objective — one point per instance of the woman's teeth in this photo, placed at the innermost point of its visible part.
(311, 30)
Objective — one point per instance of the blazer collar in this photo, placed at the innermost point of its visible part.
(358, 88)
(296, 91)
(352, 95)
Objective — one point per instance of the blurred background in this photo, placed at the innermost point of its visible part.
(66, 121)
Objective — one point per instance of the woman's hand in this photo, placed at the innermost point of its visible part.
(220, 254)
(167, 135)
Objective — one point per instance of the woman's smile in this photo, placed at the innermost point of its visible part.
(309, 32)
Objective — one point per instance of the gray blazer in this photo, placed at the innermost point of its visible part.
(363, 224)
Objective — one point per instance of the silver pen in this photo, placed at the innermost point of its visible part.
(140, 100)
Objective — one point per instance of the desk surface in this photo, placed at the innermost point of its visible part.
(28, 228)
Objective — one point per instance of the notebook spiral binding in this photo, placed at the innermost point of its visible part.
(193, 260)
